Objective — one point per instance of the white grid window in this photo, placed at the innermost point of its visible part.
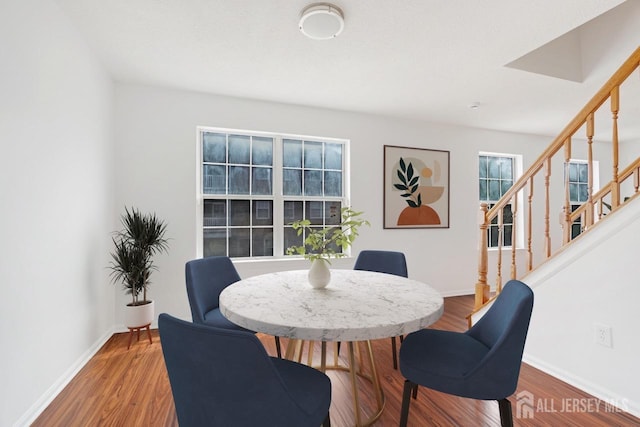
(253, 185)
(496, 175)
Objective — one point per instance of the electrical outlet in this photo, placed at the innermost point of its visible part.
(603, 334)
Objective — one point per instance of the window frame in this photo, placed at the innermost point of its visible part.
(576, 225)
(517, 170)
(277, 196)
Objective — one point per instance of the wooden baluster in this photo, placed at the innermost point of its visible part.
(600, 207)
(615, 188)
(500, 241)
(482, 288)
(514, 212)
(547, 236)
(589, 217)
(636, 180)
(529, 231)
(566, 222)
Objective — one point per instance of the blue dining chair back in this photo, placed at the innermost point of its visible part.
(481, 363)
(206, 278)
(389, 262)
(222, 377)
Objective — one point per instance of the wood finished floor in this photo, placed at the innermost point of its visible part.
(120, 387)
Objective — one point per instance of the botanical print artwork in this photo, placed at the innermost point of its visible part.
(415, 182)
(416, 188)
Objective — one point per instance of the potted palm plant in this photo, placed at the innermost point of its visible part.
(322, 244)
(141, 238)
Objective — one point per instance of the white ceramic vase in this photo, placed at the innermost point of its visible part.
(136, 316)
(319, 274)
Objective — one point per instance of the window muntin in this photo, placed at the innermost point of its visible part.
(578, 191)
(236, 164)
(254, 185)
(312, 169)
(321, 214)
(578, 182)
(496, 175)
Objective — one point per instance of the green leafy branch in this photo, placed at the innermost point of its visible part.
(409, 184)
(322, 243)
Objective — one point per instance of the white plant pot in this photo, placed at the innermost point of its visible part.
(319, 274)
(136, 316)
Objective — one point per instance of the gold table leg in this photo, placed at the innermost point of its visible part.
(354, 383)
(294, 350)
(355, 369)
(376, 378)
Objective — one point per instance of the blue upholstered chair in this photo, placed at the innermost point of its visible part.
(481, 363)
(206, 278)
(222, 377)
(384, 262)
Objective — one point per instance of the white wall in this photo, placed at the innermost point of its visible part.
(571, 295)
(55, 190)
(156, 155)
(61, 197)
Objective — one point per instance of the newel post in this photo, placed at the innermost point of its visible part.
(482, 288)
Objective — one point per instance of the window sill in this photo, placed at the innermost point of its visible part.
(504, 248)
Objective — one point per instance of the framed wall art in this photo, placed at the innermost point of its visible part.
(416, 188)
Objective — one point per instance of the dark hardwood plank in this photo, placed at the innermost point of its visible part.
(131, 388)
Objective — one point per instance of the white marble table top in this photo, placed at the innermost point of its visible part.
(355, 306)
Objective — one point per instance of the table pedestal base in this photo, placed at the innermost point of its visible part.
(354, 368)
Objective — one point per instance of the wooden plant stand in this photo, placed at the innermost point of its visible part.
(137, 330)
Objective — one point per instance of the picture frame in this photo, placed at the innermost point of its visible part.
(416, 187)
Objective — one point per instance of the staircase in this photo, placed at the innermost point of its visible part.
(543, 215)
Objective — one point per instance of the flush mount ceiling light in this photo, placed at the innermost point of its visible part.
(321, 21)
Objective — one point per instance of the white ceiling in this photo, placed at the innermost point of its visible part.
(416, 59)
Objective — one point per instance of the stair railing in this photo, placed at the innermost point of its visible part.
(596, 207)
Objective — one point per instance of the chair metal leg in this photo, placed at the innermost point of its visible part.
(395, 355)
(327, 421)
(278, 349)
(406, 400)
(506, 415)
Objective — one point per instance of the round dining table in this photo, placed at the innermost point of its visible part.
(356, 306)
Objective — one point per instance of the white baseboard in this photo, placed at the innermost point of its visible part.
(45, 400)
(611, 398)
